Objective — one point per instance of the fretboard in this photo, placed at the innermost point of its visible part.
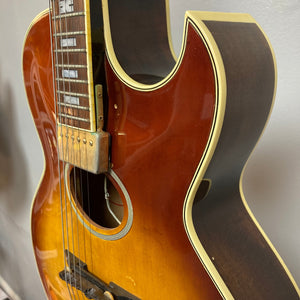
(71, 49)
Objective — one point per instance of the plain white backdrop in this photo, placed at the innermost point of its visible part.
(272, 177)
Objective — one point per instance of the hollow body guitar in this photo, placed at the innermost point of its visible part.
(140, 196)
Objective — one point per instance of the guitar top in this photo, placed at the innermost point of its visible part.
(144, 153)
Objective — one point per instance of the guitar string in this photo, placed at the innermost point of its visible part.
(65, 155)
(72, 155)
(85, 160)
(77, 122)
(87, 182)
(56, 85)
(73, 281)
(85, 149)
(52, 6)
(66, 74)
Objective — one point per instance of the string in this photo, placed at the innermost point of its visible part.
(57, 96)
(65, 154)
(89, 214)
(65, 80)
(68, 75)
(75, 113)
(67, 151)
(86, 158)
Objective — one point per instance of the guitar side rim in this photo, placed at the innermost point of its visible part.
(187, 213)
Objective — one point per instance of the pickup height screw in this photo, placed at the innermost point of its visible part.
(84, 141)
(91, 143)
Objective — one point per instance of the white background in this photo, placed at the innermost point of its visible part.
(272, 177)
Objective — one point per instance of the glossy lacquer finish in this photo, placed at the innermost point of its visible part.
(158, 138)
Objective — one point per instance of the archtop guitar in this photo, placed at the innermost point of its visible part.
(141, 195)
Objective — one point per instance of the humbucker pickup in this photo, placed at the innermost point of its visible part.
(87, 150)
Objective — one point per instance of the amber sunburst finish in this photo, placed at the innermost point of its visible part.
(171, 223)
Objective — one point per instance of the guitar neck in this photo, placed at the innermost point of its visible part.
(72, 57)
(78, 101)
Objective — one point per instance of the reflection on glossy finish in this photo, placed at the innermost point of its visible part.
(158, 138)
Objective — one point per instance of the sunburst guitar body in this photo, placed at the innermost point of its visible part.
(141, 194)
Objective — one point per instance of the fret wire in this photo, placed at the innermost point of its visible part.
(76, 14)
(74, 106)
(71, 80)
(71, 66)
(69, 33)
(69, 50)
(74, 118)
(73, 94)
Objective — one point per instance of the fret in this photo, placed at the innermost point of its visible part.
(73, 106)
(77, 88)
(69, 15)
(73, 58)
(73, 112)
(78, 125)
(70, 66)
(71, 80)
(58, 34)
(70, 24)
(73, 118)
(73, 94)
(69, 50)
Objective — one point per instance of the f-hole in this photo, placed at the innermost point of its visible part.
(97, 197)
